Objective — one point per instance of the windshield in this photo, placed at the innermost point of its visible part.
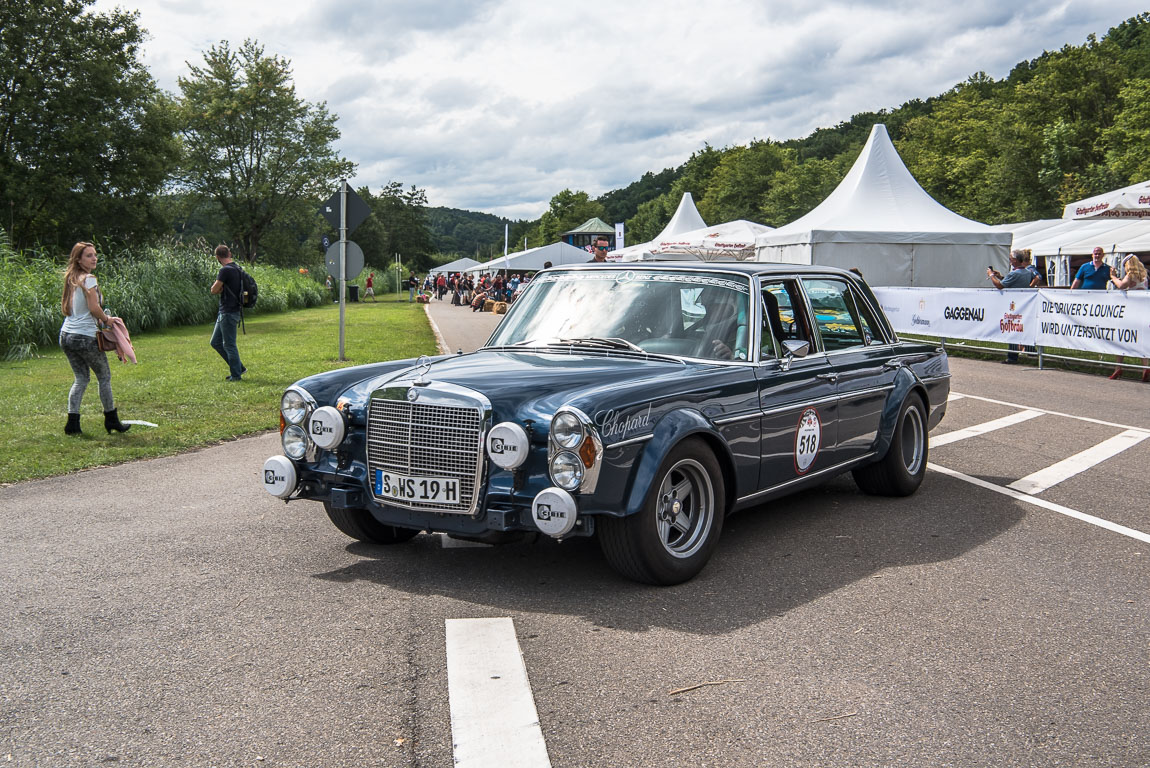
(698, 314)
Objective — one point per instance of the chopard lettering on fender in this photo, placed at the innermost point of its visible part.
(615, 425)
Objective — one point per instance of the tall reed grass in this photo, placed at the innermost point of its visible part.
(151, 287)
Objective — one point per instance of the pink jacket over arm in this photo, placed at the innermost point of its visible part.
(118, 333)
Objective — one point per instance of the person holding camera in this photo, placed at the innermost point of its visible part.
(1018, 277)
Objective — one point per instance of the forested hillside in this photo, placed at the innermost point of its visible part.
(466, 233)
(1068, 124)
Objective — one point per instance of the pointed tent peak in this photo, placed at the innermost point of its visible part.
(880, 194)
(593, 226)
(686, 218)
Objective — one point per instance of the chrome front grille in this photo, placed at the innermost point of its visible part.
(426, 439)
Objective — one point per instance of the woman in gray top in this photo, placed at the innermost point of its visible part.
(81, 307)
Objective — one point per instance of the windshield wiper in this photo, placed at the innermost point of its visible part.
(597, 341)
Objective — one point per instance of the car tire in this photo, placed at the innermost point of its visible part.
(653, 548)
(900, 471)
(360, 524)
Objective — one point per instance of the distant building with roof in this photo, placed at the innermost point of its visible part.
(588, 232)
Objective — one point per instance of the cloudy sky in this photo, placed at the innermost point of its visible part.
(496, 105)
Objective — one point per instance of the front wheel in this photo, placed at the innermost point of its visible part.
(360, 524)
(900, 472)
(672, 537)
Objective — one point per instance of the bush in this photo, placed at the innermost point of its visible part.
(151, 288)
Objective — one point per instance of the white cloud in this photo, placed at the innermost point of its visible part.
(498, 105)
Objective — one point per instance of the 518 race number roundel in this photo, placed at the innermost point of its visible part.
(807, 440)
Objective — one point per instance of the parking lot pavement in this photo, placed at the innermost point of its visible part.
(181, 616)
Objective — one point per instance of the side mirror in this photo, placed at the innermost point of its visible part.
(793, 348)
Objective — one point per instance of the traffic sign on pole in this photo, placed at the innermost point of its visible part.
(354, 261)
(357, 210)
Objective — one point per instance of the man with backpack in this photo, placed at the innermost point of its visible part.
(229, 286)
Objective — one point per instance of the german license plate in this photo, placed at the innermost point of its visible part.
(441, 490)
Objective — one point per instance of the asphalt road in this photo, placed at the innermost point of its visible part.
(171, 613)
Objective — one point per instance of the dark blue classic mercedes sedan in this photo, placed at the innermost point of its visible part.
(639, 403)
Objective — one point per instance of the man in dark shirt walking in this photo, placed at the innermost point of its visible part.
(228, 286)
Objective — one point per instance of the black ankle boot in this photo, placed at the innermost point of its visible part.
(73, 425)
(112, 421)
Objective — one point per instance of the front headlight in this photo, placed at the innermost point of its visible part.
(294, 441)
(566, 470)
(567, 430)
(293, 406)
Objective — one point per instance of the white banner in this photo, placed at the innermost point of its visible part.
(962, 313)
(1111, 322)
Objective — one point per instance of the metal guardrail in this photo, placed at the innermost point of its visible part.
(1041, 353)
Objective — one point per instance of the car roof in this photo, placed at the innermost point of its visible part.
(771, 269)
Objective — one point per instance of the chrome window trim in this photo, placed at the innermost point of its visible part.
(757, 414)
(629, 441)
(797, 405)
(865, 392)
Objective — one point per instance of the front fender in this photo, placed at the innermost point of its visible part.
(905, 383)
(672, 429)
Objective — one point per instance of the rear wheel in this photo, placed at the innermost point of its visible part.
(360, 524)
(900, 472)
(672, 537)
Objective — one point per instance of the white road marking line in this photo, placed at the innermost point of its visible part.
(1054, 413)
(440, 342)
(954, 396)
(1037, 482)
(494, 723)
(1050, 505)
(981, 429)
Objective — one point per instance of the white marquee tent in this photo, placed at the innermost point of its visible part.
(881, 221)
(534, 259)
(733, 241)
(1060, 241)
(459, 265)
(686, 219)
(1131, 202)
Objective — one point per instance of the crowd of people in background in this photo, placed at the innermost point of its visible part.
(464, 289)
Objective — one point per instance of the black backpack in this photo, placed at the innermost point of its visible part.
(249, 290)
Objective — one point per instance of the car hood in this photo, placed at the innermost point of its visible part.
(533, 385)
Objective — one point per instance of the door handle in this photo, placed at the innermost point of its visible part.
(831, 377)
(892, 365)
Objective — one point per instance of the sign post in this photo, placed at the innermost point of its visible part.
(344, 210)
(342, 263)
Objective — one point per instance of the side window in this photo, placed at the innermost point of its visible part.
(865, 319)
(784, 318)
(832, 305)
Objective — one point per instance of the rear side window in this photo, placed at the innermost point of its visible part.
(837, 315)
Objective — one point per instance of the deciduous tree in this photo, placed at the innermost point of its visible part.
(252, 144)
(86, 137)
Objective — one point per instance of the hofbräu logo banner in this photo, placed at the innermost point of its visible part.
(962, 313)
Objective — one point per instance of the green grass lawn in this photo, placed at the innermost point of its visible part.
(179, 385)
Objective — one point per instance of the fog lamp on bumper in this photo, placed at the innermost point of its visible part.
(554, 512)
(280, 477)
